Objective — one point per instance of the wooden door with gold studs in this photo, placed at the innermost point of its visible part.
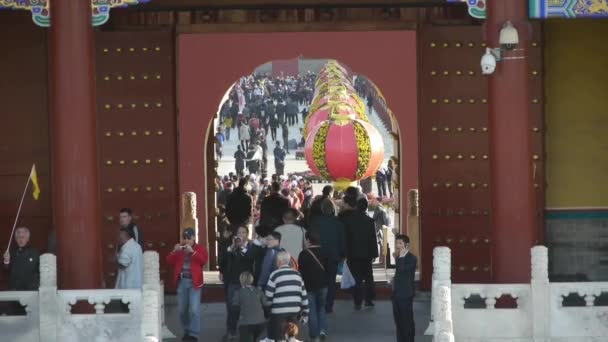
(455, 192)
(137, 140)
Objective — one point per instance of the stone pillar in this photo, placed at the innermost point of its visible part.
(76, 210)
(444, 327)
(47, 298)
(189, 219)
(151, 319)
(541, 294)
(413, 224)
(442, 276)
(513, 203)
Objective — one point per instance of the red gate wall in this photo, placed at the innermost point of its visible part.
(137, 139)
(386, 58)
(24, 128)
(455, 192)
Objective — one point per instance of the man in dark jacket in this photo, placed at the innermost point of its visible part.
(404, 289)
(222, 196)
(312, 265)
(23, 263)
(127, 222)
(238, 205)
(273, 207)
(236, 260)
(333, 245)
(239, 161)
(361, 245)
(279, 159)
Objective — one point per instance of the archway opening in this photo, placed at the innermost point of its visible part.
(269, 110)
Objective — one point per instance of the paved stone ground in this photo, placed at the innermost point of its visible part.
(345, 324)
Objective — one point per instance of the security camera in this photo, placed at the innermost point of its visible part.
(488, 62)
(509, 38)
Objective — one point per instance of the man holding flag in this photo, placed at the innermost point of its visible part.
(23, 260)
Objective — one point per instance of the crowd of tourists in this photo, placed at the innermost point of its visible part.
(281, 247)
(258, 105)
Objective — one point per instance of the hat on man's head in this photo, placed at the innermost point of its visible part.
(188, 233)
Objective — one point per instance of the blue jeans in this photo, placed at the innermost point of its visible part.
(317, 320)
(189, 307)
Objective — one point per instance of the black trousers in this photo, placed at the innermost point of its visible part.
(279, 168)
(364, 279)
(331, 272)
(403, 313)
(251, 333)
(273, 133)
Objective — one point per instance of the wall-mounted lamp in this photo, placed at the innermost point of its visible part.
(508, 40)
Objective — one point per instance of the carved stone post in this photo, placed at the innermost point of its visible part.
(189, 219)
(540, 294)
(444, 328)
(47, 296)
(442, 276)
(413, 223)
(151, 319)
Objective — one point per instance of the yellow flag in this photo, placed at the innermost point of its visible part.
(35, 186)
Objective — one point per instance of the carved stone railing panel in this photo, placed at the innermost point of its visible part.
(20, 328)
(539, 317)
(99, 326)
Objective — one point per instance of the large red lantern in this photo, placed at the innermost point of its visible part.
(328, 110)
(333, 86)
(352, 99)
(332, 76)
(344, 150)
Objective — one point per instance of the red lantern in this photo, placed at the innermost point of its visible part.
(333, 87)
(328, 110)
(352, 99)
(332, 76)
(344, 150)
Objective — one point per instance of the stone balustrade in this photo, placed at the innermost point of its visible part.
(542, 311)
(49, 316)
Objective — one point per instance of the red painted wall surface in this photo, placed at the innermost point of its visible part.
(289, 67)
(24, 129)
(209, 63)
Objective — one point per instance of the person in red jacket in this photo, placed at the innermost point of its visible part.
(188, 260)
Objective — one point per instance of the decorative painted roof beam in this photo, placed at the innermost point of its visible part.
(542, 9)
(41, 14)
(477, 8)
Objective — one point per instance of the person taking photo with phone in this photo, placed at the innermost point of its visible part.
(188, 259)
(238, 258)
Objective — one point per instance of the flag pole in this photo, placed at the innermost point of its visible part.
(20, 205)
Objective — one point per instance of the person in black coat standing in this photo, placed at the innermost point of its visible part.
(273, 207)
(23, 263)
(239, 161)
(333, 245)
(361, 245)
(404, 290)
(238, 205)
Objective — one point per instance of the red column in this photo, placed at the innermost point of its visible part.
(76, 211)
(510, 147)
